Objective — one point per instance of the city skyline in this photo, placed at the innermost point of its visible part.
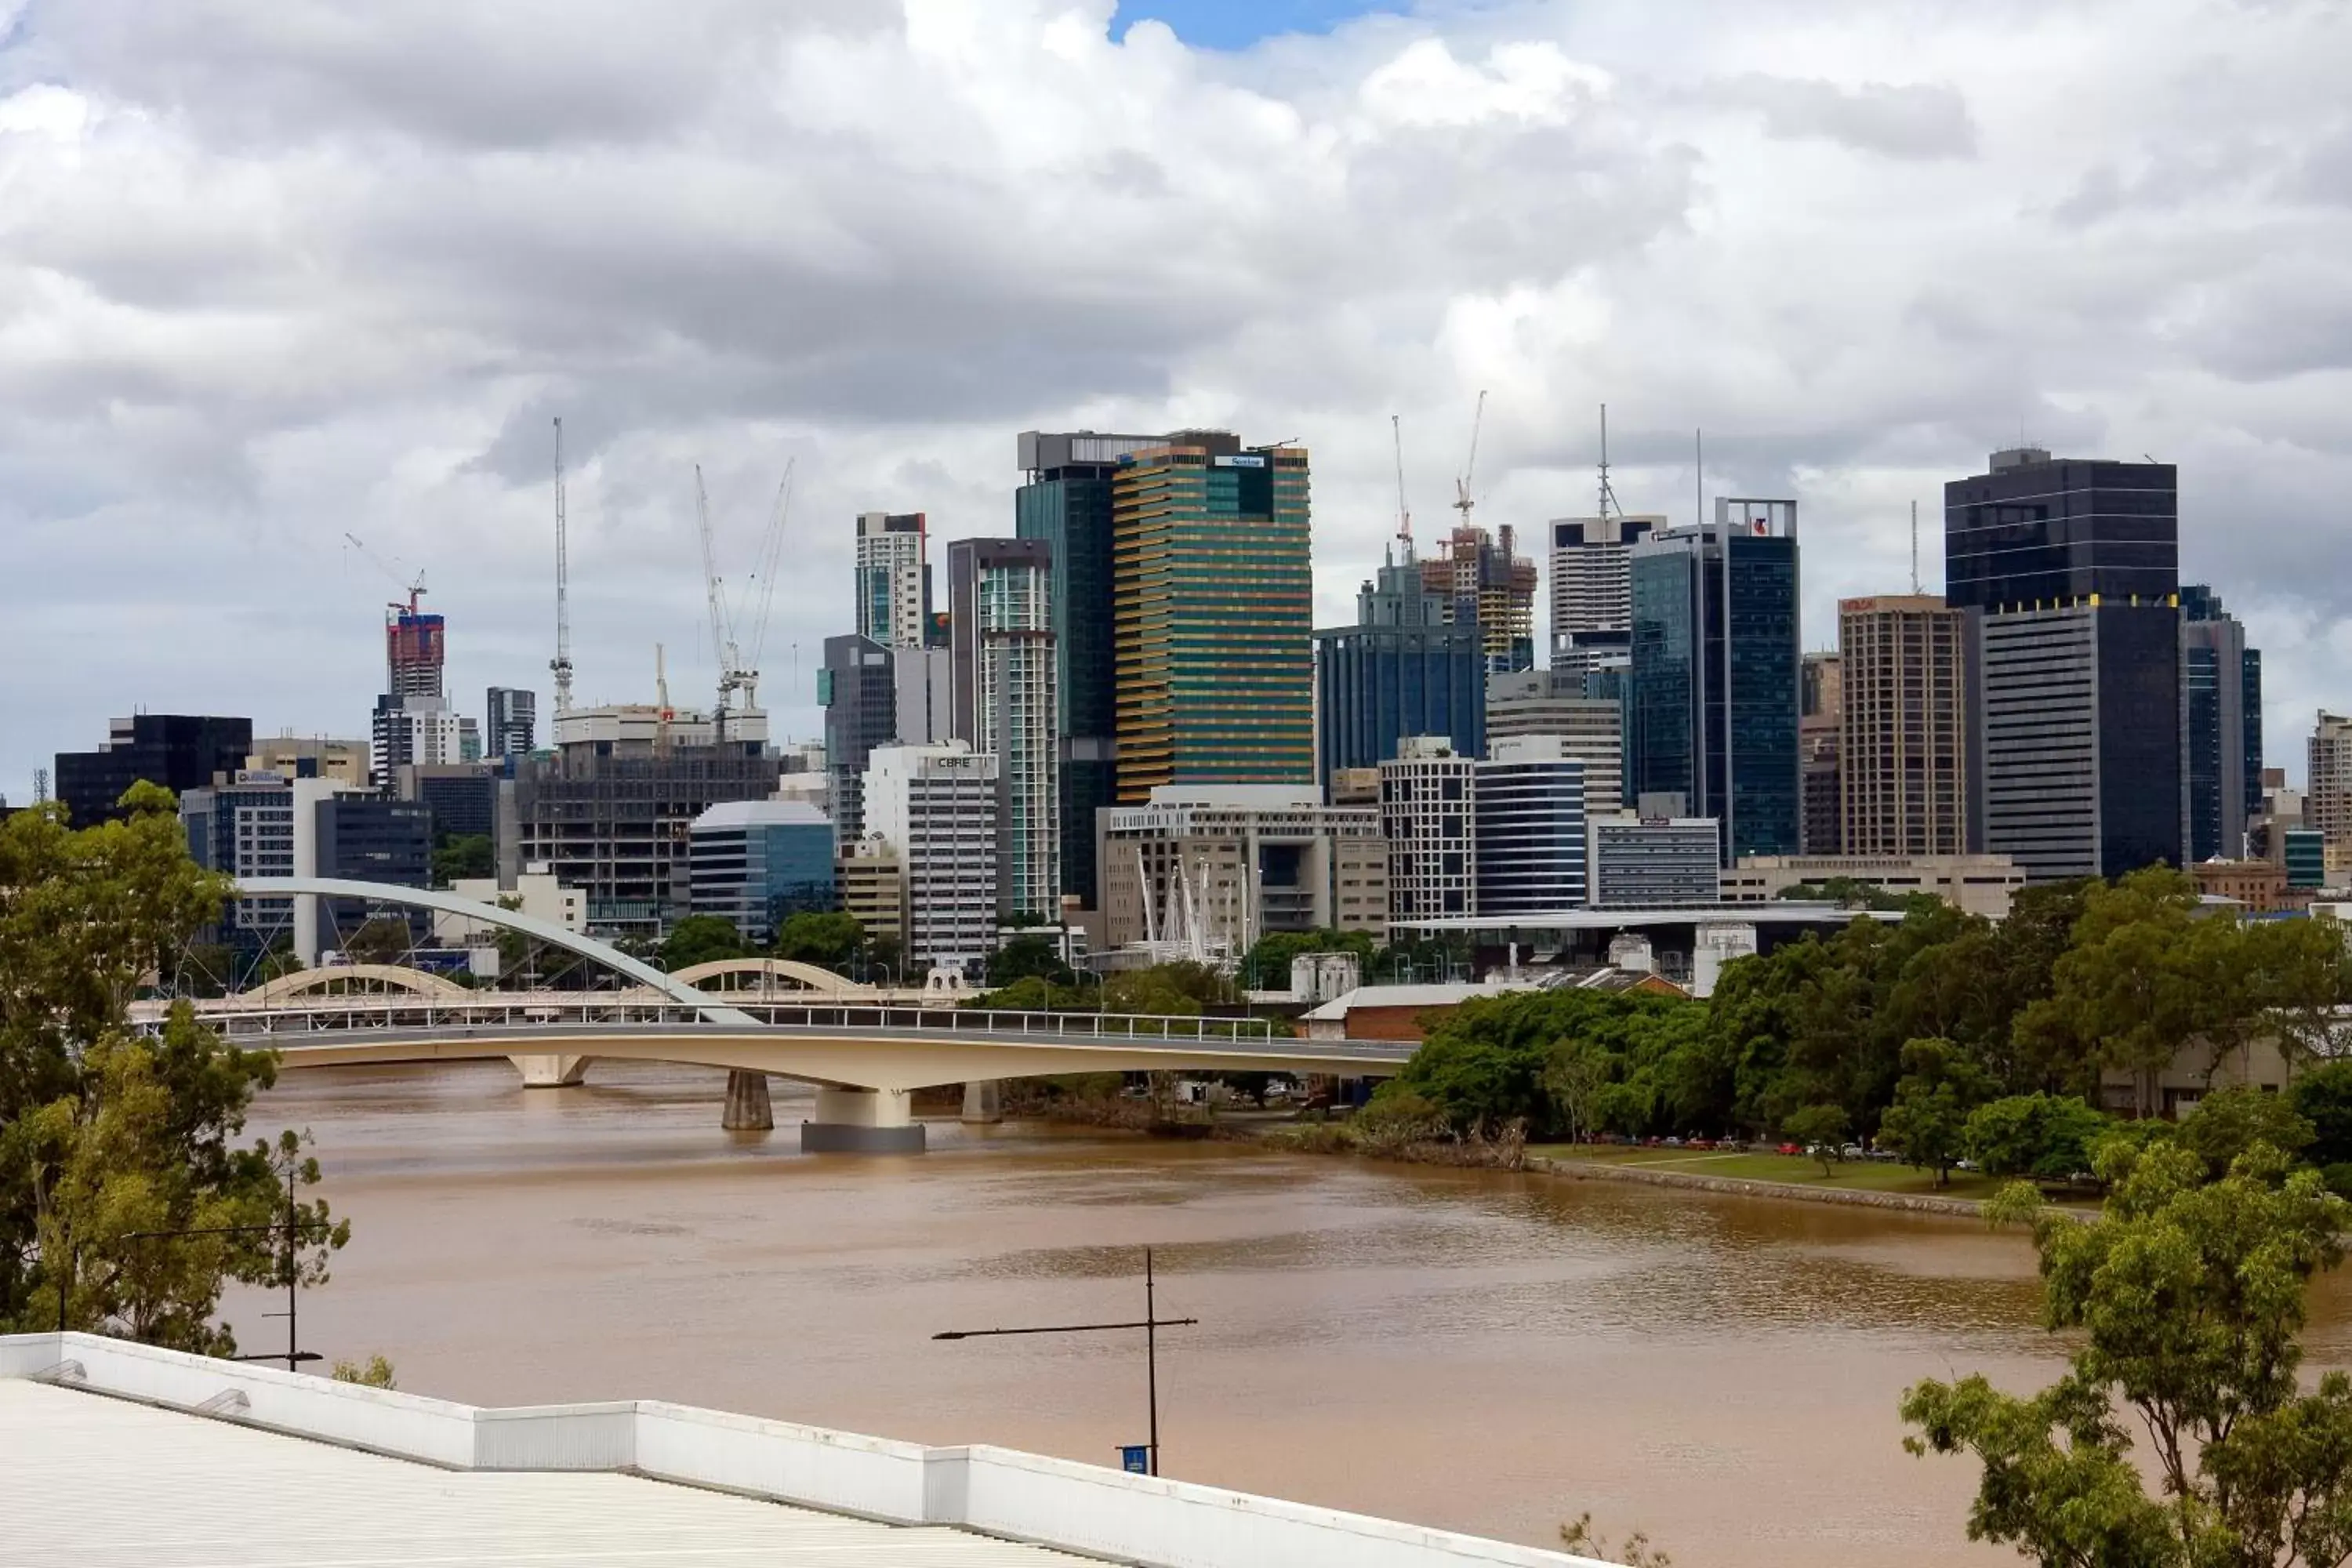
(231, 482)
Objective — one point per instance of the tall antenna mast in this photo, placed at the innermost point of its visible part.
(562, 663)
(1405, 516)
(1608, 495)
(1914, 547)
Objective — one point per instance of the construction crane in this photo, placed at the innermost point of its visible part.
(414, 590)
(663, 712)
(1462, 501)
(736, 673)
(1404, 514)
(561, 665)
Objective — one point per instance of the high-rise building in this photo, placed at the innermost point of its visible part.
(894, 579)
(1530, 797)
(261, 823)
(2069, 572)
(936, 806)
(293, 756)
(1901, 747)
(372, 838)
(1593, 585)
(511, 723)
(2327, 799)
(1400, 672)
(1478, 579)
(414, 729)
(1066, 500)
(413, 646)
(856, 686)
(1243, 861)
(2221, 726)
(1212, 605)
(755, 863)
(1819, 829)
(1715, 673)
(1000, 621)
(1554, 702)
(1428, 815)
(179, 750)
(1654, 862)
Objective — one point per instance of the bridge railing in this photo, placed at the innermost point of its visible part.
(340, 1014)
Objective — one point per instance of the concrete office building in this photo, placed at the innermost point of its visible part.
(1715, 673)
(1592, 587)
(1820, 829)
(1400, 672)
(873, 885)
(1975, 884)
(1212, 605)
(611, 813)
(1260, 859)
(937, 807)
(2069, 572)
(413, 730)
(1552, 702)
(1652, 863)
(2221, 726)
(1531, 823)
(1001, 626)
(261, 824)
(1479, 579)
(1428, 815)
(893, 578)
(180, 751)
(2327, 800)
(755, 863)
(293, 756)
(1065, 500)
(511, 725)
(1903, 749)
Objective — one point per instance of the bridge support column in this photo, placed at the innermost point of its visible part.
(550, 1071)
(983, 1102)
(748, 1108)
(862, 1121)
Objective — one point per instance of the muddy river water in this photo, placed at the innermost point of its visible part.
(1479, 1351)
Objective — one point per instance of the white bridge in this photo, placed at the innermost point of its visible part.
(865, 1053)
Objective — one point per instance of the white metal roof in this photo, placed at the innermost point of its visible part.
(101, 1482)
(1432, 995)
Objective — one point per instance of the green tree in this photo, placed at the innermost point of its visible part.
(376, 1372)
(1025, 955)
(1180, 989)
(104, 1133)
(380, 938)
(2323, 1097)
(1927, 1123)
(700, 939)
(1266, 965)
(463, 855)
(1574, 1077)
(828, 938)
(2188, 1299)
(2229, 1122)
(1821, 1129)
(2050, 1137)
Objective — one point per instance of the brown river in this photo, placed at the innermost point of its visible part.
(1473, 1350)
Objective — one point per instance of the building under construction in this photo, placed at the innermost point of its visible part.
(1480, 579)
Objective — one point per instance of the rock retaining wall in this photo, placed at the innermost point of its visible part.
(1738, 1186)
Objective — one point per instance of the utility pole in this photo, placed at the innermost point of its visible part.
(291, 1227)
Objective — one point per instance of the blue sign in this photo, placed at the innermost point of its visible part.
(1239, 460)
(1135, 1459)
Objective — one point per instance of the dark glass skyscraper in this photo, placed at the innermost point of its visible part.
(1715, 674)
(1398, 671)
(179, 750)
(2069, 570)
(1066, 502)
(2221, 725)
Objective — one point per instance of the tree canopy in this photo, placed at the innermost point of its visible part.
(700, 939)
(108, 1136)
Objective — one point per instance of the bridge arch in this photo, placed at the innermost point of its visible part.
(378, 977)
(806, 977)
(548, 931)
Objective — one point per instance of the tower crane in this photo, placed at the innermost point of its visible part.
(735, 672)
(561, 665)
(1404, 514)
(1462, 501)
(414, 590)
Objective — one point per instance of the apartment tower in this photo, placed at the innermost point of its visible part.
(1902, 731)
(1001, 631)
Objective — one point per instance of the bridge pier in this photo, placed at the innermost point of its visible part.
(862, 1121)
(550, 1071)
(749, 1110)
(983, 1102)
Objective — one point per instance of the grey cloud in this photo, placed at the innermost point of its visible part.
(1917, 121)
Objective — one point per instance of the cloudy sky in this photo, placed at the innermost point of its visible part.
(277, 272)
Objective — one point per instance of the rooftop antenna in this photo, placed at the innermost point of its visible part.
(1699, 478)
(1462, 501)
(1405, 516)
(561, 665)
(1608, 494)
(1914, 547)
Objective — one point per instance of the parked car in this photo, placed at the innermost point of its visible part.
(1792, 1149)
(1700, 1143)
(1672, 1143)
(1852, 1152)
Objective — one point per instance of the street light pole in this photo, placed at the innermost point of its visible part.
(1151, 1323)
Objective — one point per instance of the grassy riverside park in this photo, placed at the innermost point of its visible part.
(1789, 1170)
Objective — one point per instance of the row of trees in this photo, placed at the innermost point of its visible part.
(111, 1140)
(1909, 1032)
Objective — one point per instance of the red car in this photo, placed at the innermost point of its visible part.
(1792, 1149)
